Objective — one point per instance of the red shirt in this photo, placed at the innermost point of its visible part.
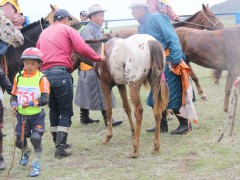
(56, 43)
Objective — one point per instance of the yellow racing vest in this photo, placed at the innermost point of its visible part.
(28, 89)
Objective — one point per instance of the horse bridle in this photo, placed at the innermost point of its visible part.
(30, 39)
(205, 27)
(209, 20)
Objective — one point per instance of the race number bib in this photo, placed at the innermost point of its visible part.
(26, 94)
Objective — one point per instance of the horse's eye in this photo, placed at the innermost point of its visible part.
(8, 24)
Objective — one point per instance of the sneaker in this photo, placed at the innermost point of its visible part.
(2, 163)
(25, 158)
(36, 168)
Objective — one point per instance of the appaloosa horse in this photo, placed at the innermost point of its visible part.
(134, 61)
(31, 34)
(219, 49)
(8, 32)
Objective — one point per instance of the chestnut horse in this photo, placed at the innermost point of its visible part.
(203, 19)
(74, 23)
(217, 49)
(135, 61)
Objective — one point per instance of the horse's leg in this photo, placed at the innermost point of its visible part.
(106, 88)
(217, 73)
(169, 113)
(158, 118)
(229, 83)
(196, 81)
(123, 93)
(138, 110)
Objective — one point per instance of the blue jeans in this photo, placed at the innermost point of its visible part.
(61, 96)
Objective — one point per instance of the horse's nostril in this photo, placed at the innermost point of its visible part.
(8, 24)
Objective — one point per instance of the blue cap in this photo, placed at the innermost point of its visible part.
(61, 13)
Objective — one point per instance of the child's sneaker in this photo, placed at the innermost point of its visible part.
(36, 168)
(25, 157)
(2, 163)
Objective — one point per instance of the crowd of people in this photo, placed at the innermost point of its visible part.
(46, 76)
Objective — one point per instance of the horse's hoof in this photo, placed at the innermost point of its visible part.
(204, 98)
(107, 139)
(155, 152)
(133, 155)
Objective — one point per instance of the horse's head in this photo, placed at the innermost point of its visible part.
(75, 23)
(9, 33)
(203, 19)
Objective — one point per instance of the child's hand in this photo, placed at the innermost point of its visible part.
(14, 110)
(25, 104)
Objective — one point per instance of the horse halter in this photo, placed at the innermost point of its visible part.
(209, 20)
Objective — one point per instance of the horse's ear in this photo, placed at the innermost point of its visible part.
(204, 7)
(52, 7)
(207, 6)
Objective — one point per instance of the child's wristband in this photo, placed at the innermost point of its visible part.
(14, 103)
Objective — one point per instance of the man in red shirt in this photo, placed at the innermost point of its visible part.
(56, 43)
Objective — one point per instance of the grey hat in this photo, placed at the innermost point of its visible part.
(83, 13)
(61, 13)
(94, 9)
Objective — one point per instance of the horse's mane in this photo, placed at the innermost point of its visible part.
(191, 17)
(30, 26)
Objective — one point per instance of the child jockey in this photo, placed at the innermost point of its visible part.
(30, 93)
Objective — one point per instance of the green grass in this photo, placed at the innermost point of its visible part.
(193, 156)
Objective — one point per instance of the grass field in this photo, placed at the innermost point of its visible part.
(193, 156)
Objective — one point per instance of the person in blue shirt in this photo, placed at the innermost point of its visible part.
(159, 26)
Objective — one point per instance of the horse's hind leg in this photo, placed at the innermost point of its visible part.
(123, 93)
(138, 110)
(196, 81)
(158, 118)
(229, 83)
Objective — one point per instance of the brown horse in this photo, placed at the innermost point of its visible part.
(203, 19)
(214, 49)
(135, 61)
(75, 23)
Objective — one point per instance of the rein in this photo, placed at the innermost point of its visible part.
(29, 38)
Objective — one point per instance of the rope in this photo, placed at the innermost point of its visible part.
(209, 20)
(22, 133)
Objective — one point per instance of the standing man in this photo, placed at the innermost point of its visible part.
(56, 43)
(89, 95)
(84, 20)
(159, 26)
(106, 29)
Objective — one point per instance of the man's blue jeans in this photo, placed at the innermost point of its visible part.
(61, 96)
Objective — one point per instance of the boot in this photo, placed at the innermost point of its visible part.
(114, 122)
(54, 135)
(61, 141)
(2, 163)
(84, 117)
(183, 127)
(163, 124)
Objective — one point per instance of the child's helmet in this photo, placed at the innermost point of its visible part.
(32, 53)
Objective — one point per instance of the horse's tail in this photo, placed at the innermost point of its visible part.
(156, 76)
